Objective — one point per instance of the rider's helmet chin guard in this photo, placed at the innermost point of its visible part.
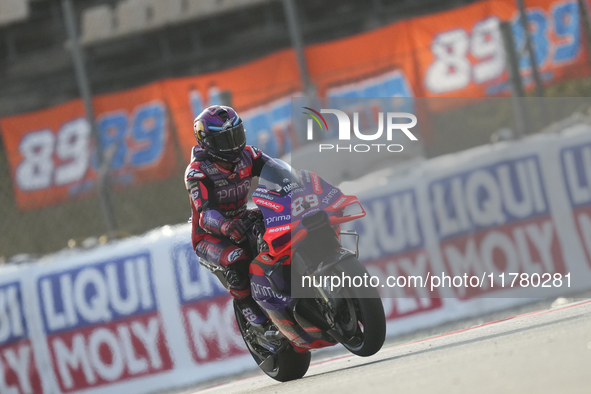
(220, 132)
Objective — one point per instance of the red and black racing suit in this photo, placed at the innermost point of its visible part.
(218, 195)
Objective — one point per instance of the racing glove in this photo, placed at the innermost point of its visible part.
(235, 229)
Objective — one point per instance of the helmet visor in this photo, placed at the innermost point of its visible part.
(227, 140)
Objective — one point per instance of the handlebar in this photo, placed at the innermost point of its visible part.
(251, 219)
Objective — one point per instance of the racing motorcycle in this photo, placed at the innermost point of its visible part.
(296, 232)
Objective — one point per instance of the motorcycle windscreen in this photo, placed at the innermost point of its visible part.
(278, 177)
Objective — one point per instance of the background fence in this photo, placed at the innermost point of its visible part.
(167, 67)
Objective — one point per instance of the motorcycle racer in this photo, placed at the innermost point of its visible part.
(218, 180)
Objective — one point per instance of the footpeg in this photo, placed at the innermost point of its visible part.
(274, 335)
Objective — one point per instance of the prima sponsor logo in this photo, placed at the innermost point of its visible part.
(294, 191)
(344, 123)
(241, 189)
(279, 229)
(264, 291)
(330, 195)
(278, 218)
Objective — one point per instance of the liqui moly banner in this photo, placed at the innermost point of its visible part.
(501, 213)
(102, 322)
(573, 148)
(576, 165)
(495, 218)
(18, 368)
(207, 310)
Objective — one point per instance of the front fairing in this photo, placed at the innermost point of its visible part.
(317, 195)
(284, 210)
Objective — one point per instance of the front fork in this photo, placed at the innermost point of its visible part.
(324, 318)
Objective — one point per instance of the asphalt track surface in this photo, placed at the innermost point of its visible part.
(548, 351)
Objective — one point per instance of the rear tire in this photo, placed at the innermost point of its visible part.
(362, 313)
(289, 364)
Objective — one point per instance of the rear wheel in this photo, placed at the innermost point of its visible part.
(285, 365)
(359, 313)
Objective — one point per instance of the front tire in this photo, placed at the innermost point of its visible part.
(288, 364)
(360, 315)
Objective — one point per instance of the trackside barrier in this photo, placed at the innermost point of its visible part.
(140, 315)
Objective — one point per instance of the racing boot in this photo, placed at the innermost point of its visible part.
(239, 286)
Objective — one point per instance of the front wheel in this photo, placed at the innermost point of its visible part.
(359, 314)
(283, 366)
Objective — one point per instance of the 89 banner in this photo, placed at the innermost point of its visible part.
(51, 152)
(466, 55)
